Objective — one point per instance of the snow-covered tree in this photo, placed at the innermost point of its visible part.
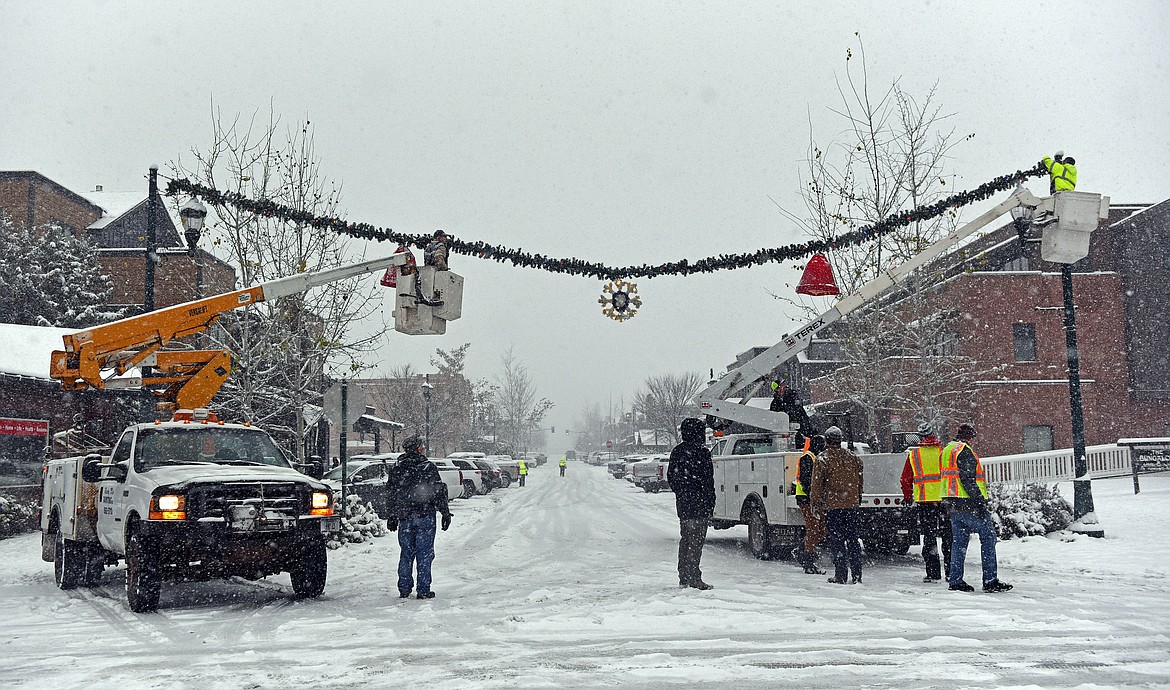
(521, 413)
(50, 277)
(667, 400)
(284, 351)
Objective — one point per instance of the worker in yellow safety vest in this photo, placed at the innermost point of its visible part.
(814, 524)
(922, 492)
(964, 491)
(563, 462)
(1062, 172)
(523, 471)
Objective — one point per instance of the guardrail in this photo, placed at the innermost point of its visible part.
(1110, 460)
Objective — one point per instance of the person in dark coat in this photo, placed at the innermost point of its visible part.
(415, 492)
(814, 523)
(692, 479)
(837, 485)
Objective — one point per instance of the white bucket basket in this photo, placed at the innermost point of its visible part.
(414, 317)
(1067, 240)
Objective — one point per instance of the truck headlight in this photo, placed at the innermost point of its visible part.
(168, 507)
(322, 504)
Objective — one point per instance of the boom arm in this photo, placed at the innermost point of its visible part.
(191, 377)
(712, 400)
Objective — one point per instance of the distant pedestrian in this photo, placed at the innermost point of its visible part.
(415, 492)
(562, 463)
(922, 491)
(837, 485)
(964, 491)
(523, 471)
(814, 523)
(435, 253)
(692, 479)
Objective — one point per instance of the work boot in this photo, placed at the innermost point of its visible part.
(961, 587)
(812, 569)
(699, 584)
(427, 595)
(996, 586)
(837, 581)
(930, 578)
(403, 595)
(856, 579)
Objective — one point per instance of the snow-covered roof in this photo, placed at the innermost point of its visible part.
(27, 349)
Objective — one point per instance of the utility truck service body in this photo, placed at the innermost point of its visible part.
(754, 475)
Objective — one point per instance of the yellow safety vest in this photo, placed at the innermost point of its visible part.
(951, 486)
(1064, 176)
(523, 468)
(800, 490)
(925, 461)
(562, 462)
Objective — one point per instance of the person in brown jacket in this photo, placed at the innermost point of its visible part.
(836, 493)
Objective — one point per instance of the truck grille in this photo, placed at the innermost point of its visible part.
(218, 501)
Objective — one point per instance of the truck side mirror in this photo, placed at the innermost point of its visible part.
(91, 470)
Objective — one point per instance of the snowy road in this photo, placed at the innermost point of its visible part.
(570, 582)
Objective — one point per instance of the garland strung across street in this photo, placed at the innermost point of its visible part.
(574, 266)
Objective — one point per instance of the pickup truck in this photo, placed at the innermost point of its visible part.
(188, 499)
(650, 474)
(754, 474)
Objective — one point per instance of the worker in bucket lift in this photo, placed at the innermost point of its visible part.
(1062, 172)
(435, 253)
(786, 400)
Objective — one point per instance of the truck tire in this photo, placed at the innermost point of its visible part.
(68, 562)
(143, 581)
(468, 488)
(310, 570)
(505, 481)
(759, 536)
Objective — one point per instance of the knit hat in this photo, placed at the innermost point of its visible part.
(412, 442)
(966, 431)
(833, 434)
(925, 430)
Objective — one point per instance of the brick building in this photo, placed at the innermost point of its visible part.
(115, 222)
(1009, 305)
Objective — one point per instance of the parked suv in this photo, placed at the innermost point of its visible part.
(509, 469)
(365, 478)
(474, 481)
(493, 474)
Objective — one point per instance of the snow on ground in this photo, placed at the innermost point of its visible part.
(571, 583)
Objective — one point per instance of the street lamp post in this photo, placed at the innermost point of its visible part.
(426, 391)
(151, 238)
(1082, 487)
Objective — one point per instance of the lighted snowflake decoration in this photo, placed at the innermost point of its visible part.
(619, 300)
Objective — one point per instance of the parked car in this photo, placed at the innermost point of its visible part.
(509, 469)
(474, 482)
(627, 465)
(365, 478)
(533, 459)
(493, 473)
(650, 474)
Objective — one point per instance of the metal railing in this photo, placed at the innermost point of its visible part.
(1110, 460)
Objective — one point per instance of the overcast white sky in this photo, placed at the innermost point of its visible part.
(625, 133)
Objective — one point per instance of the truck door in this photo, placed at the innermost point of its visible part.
(113, 498)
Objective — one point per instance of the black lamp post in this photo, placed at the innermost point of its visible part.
(1082, 487)
(151, 237)
(426, 391)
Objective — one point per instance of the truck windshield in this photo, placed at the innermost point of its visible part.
(158, 447)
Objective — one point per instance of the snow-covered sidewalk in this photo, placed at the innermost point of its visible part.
(571, 582)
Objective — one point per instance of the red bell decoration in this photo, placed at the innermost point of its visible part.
(818, 278)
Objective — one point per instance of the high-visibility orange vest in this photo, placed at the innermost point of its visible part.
(801, 490)
(951, 486)
(925, 461)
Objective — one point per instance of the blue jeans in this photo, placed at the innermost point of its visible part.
(844, 543)
(963, 524)
(416, 537)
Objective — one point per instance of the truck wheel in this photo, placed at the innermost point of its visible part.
(143, 583)
(310, 570)
(468, 488)
(68, 562)
(505, 481)
(759, 536)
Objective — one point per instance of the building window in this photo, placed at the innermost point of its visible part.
(1037, 438)
(1024, 341)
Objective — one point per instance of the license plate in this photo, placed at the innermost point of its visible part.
(330, 524)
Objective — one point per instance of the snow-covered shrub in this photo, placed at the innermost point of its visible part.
(359, 523)
(16, 516)
(1031, 509)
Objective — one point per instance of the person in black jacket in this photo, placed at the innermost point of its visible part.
(415, 491)
(692, 479)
